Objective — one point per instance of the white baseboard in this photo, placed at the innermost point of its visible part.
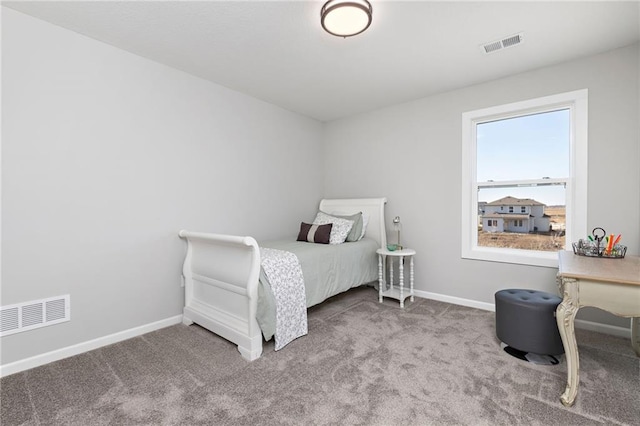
(456, 300)
(582, 324)
(58, 354)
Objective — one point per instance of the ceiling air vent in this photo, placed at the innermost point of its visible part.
(34, 314)
(494, 46)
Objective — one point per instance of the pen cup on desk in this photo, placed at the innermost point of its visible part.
(594, 249)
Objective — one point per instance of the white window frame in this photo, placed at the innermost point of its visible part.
(576, 183)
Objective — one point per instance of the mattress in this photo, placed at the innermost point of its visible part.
(327, 270)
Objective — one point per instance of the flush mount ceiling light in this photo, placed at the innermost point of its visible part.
(346, 18)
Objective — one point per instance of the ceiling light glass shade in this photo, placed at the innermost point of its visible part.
(346, 18)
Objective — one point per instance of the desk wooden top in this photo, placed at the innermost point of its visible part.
(621, 271)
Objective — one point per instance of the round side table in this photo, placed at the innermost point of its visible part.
(395, 292)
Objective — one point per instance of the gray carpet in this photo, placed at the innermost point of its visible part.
(362, 363)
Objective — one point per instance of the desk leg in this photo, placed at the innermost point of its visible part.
(565, 317)
(380, 280)
(635, 334)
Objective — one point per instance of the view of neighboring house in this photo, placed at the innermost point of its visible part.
(510, 214)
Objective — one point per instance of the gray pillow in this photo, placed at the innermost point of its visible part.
(356, 229)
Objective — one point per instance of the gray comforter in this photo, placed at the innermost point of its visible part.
(327, 269)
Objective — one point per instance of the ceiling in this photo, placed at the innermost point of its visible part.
(277, 51)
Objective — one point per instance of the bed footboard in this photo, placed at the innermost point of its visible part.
(221, 275)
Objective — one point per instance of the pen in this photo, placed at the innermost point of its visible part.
(609, 244)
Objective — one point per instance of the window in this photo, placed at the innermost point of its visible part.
(531, 155)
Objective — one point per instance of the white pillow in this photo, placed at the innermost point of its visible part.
(365, 222)
(339, 230)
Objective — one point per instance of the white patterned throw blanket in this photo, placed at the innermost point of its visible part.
(284, 273)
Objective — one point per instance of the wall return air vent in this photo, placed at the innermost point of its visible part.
(510, 41)
(34, 314)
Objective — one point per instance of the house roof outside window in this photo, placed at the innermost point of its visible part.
(513, 201)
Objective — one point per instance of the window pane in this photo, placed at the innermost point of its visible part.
(525, 147)
(531, 218)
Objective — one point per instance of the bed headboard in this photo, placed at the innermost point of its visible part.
(373, 206)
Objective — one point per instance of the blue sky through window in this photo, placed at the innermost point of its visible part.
(525, 147)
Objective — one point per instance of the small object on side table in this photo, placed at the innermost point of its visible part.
(397, 226)
(395, 292)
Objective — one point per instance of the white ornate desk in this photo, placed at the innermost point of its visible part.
(609, 284)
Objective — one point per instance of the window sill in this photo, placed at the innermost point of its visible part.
(520, 257)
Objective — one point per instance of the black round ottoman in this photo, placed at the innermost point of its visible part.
(525, 320)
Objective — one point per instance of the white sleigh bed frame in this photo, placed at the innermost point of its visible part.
(221, 274)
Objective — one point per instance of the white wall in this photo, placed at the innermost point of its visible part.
(106, 156)
(411, 153)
